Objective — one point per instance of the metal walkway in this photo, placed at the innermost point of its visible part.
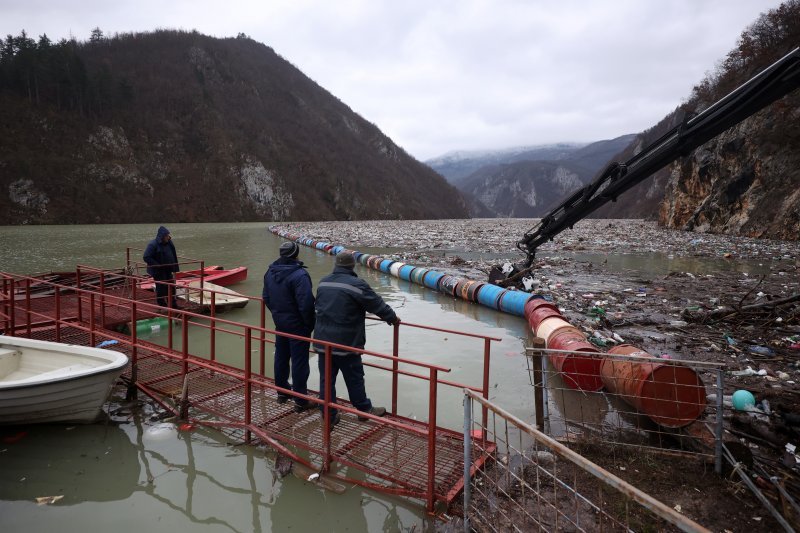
(397, 455)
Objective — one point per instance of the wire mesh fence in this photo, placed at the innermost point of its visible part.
(629, 398)
(536, 483)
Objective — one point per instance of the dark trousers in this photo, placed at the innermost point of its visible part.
(163, 288)
(294, 351)
(353, 373)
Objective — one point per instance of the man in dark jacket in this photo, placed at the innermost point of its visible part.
(289, 297)
(342, 301)
(162, 263)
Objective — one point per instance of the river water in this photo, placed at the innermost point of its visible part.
(140, 475)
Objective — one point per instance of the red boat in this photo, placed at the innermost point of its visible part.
(212, 274)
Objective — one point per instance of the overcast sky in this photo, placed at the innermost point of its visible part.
(444, 75)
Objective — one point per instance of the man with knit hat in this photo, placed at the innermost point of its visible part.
(289, 297)
(342, 302)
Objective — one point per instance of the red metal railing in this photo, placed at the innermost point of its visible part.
(116, 306)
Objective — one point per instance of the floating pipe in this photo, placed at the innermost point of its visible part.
(512, 302)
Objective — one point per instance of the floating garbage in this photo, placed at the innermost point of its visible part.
(743, 400)
(161, 431)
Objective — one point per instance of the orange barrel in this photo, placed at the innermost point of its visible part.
(540, 314)
(578, 371)
(670, 395)
(470, 290)
(374, 262)
(551, 325)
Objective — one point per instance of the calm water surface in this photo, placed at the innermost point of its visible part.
(138, 475)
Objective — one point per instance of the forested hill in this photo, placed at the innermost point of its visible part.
(178, 126)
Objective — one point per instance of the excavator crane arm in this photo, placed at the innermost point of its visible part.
(777, 80)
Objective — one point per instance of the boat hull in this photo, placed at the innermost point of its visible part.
(60, 395)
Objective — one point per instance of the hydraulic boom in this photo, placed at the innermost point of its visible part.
(777, 80)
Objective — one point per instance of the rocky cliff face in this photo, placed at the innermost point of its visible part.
(746, 181)
(177, 126)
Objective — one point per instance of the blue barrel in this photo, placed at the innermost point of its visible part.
(490, 295)
(513, 302)
(432, 279)
(418, 275)
(385, 264)
(337, 249)
(406, 271)
(357, 256)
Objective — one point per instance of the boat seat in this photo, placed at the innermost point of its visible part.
(9, 361)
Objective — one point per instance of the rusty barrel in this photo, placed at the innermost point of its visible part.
(578, 371)
(447, 284)
(470, 290)
(536, 310)
(670, 395)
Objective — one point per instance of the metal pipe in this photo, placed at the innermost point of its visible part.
(132, 392)
(103, 299)
(28, 305)
(262, 354)
(58, 315)
(212, 337)
(184, 342)
(248, 384)
(431, 442)
(395, 364)
(538, 384)
(326, 412)
(486, 353)
(467, 458)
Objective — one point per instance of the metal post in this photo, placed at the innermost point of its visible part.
(467, 458)
(395, 364)
(132, 392)
(262, 357)
(28, 304)
(212, 337)
(718, 426)
(12, 312)
(431, 496)
(91, 320)
(184, 342)
(538, 384)
(248, 385)
(58, 315)
(545, 394)
(326, 412)
(487, 347)
(79, 293)
(103, 299)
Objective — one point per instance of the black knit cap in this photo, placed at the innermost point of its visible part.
(345, 259)
(289, 250)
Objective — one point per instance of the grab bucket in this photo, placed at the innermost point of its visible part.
(670, 395)
(578, 371)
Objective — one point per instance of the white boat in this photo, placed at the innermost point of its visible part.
(224, 298)
(43, 381)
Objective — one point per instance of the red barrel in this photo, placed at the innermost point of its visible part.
(535, 303)
(540, 314)
(471, 290)
(670, 395)
(578, 371)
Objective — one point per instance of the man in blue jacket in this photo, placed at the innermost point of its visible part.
(289, 297)
(342, 302)
(162, 263)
